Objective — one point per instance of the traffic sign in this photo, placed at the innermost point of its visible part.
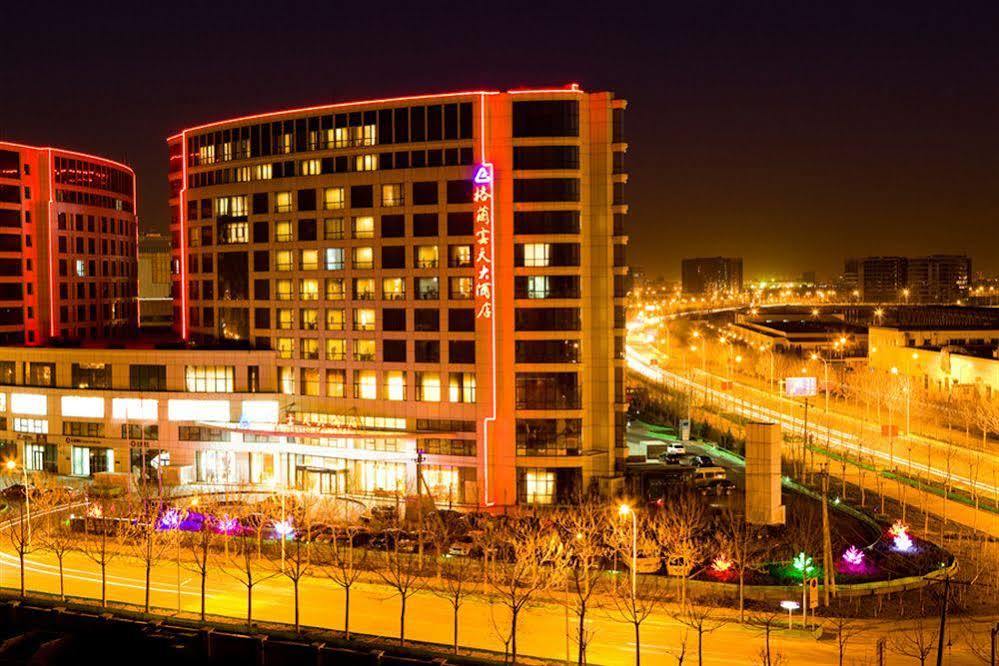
(813, 593)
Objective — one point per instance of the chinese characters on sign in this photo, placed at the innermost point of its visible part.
(482, 201)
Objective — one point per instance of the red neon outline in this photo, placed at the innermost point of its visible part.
(52, 279)
(72, 152)
(181, 212)
(491, 419)
(335, 105)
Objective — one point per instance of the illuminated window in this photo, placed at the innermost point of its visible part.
(392, 194)
(364, 320)
(284, 260)
(210, 378)
(263, 172)
(336, 349)
(286, 380)
(333, 228)
(395, 385)
(334, 258)
(309, 168)
(283, 231)
(283, 290)
(365, 135)
(536, 254)
(284, 143)
(537, 286)
(310, 260)
(427, 289)
(310, 381)
(364, 350)
(461, 387)
(282, 202)
(81, 267)
(341, 137)
(309, 349)
(234, 206)
(366, 163)
(285, 319)
(242, 174)
(364, 227)
(39, 426)
(460, 288)
(310, 319)
(365, 385)
(83, 407)
(286, 347)
(333, 198)
(29, 403)
(459, 256)
(428, 387)
(308, 290)
(393, 289)
(426, 256)
(198, 410)
(234, 232)
(364, 289)
(336, 319)
(206, 154)
(539, 486)
(134, 409)
(364, 257)
(335, 290)
(336, 383)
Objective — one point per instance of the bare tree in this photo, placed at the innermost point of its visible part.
(198, 544)
(107, 530)
(294, 530)
(56, 537)
(402, 572)
(240, 563)
(635, 606)
(678, 529)
(344, 564)
(583, 527)
(146, 540)
(527, 545)
(19, 531)
(743, 543)
(846, 630)
(767, 622)
(703, 619)
(916, 642)
(456, 574)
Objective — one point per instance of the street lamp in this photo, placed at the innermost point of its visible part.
(11, 466)
(625, 510)
(825, 363)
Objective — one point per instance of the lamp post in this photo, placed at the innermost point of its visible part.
(825, 363)
(625, 510)
(11, 466)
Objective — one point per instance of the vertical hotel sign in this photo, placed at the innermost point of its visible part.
(482, 202)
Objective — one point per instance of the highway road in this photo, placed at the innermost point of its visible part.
(375, 611)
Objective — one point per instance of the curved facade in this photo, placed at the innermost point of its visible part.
(67, 245)
(448, 269)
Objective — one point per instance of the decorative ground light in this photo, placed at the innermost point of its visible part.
(802, 566)
(722, 568)
(854, 561)
(901, 541)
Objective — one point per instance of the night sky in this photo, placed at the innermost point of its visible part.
(787, 133)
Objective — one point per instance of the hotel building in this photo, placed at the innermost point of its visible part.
(67, 246)
(437, 278)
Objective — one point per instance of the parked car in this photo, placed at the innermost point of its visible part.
(717, 487)
(675, 448)
(380, 514)
(462, 547)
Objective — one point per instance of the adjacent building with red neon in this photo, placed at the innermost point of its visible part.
(67, 246)
(443, 274)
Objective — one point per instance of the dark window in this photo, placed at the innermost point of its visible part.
(233, 276)
(393, 226)
(546, 118)
(547, 319)
(547, 351)
(546, 189)
(91, 375)
(434, 123)
(362, 196)
(393, 256)
(10, 164)
(461, 351)
(417, 124)
(547, 390)
(393, 319)
(460, 224)
(450, 121)
(425, 193)
(261, 232)
(546, 157)
(261, 318)
(427, 351)
(10, 194)
(425, 224)
(306, 230)
(546, 222)
(459, 191)
(461, 319)
(261, 261)
(306, 200)
(262, 290)
(425, 319)
(147, 377)
(394, 351)
(401, 126)
(260, 203)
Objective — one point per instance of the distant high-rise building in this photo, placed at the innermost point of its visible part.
(155, 301)
(882, 279)
(939, 278)
(68, 244)
(850, 280)
(711, 275)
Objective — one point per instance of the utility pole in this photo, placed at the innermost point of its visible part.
(804, 443)
(881, 651)
(419, 502)
(828, 575)
(943, 621)
(992, 644)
